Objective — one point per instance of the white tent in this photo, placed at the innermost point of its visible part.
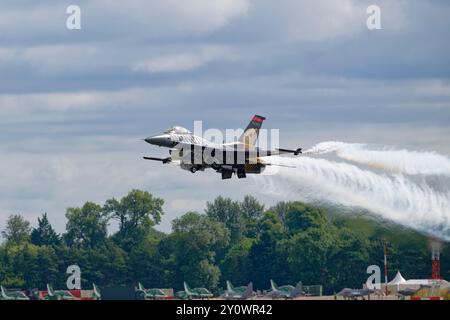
(397, 280)
(399, 283)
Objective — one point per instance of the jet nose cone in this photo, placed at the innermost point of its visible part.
(152, 140)
(149, 140)
(161, 140)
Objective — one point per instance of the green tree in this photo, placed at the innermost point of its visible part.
(209, 272)
(308, 255)
(86, 226)
(44, 234)
(349, 251)
(300, 217)
(229, 213)
(145, 262)
(17, 230)
(251, 209)
(281, 209)
(105, 265)
(266, 255)
(252, 212)
(290, 242)
(136, 213)
(196, 239)
(236, 265)
(47, 272)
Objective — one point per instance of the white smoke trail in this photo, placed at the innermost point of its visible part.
(416, 201)
(410, 162)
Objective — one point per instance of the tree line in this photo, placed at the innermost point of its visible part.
(240, 241)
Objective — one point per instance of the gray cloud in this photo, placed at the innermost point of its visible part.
(74, 104)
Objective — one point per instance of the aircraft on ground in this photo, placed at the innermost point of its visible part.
(195, 153)
(286, 292)
(407, 292)
(151, 294)
(231, 288)
(59, 294)
(238, 293)
(196, 293)
(354, 294)
(12, 295)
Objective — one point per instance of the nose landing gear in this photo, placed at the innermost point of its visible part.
(194, 169)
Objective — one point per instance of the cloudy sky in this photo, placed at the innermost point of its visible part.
(74, 104)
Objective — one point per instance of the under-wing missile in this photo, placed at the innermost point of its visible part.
(163, 160)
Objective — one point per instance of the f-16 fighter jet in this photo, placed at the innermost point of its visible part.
(195, 153)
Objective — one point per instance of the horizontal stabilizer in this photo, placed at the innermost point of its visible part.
(295, 152)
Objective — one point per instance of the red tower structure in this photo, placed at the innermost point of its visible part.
(435, 265)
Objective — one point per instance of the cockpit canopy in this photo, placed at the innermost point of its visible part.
(177, 130)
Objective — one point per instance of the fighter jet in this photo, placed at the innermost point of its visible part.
(407, 292)
(12, 295)
(194, 153)
(238, 293)
(196, 293)
(231, 288)
(59, 294)
(354, 294)
(286, 292)
(150, 294)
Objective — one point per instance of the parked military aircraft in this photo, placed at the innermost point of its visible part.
(238, 293)
(96, 294)
(354, 294)
(196, 293)
(286, 292)
(195, 153)
(12, 295)
(402, 294)
(151, 294)
(59, 294)
(231, 288)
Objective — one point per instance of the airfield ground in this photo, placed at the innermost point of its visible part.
(391, 297)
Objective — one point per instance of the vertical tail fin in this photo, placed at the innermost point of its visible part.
(298, 290)
(96, 291)
(186, 288)
(273, 285)
(4, 294)
(248, 291)
(229, 286)
(251, 133)
(50, 291)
